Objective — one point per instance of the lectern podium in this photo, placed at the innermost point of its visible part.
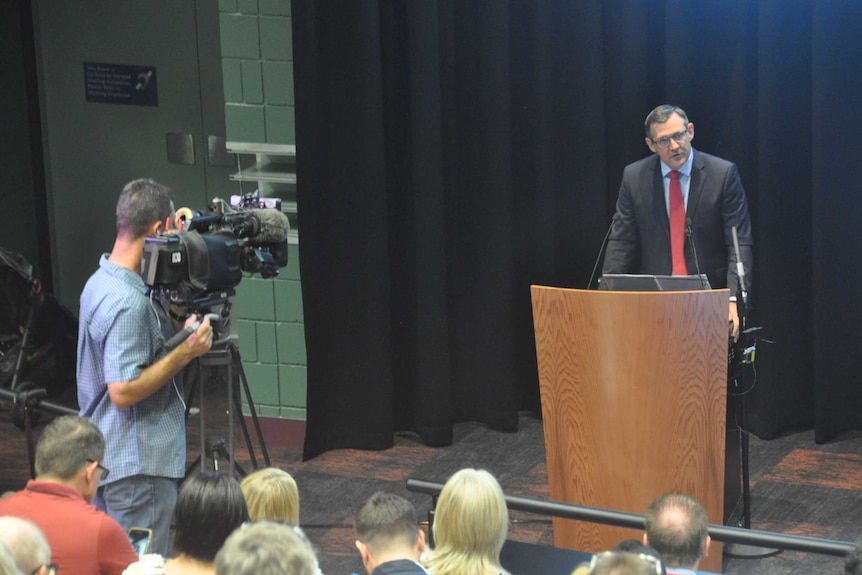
(633, 389)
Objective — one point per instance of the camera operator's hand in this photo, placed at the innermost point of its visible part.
(201, 340)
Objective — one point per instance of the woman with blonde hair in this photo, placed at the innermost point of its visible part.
(271, 493)
(471, 523)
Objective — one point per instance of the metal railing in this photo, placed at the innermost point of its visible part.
(636, 521)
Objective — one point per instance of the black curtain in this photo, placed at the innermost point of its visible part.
(451, 153)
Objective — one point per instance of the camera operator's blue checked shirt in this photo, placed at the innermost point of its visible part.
(121, 331)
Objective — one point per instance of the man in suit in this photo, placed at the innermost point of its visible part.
(713, 203)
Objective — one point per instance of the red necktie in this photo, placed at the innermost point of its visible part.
(677, 225)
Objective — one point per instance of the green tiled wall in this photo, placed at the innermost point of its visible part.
(257, 67)
(257, 55)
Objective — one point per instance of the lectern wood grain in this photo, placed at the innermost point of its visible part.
(633, 388)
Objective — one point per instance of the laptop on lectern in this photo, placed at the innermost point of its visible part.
(645, 282)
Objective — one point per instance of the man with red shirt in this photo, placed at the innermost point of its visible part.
(68, 470)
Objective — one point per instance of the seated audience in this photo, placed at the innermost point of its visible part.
(639, 548)
(388, 536)
(28, 545)
(266, 548)
(209, 508)
(676, 525)
(271, 493)
(470, 526)
(68, 469)
(624, 563)
(853, 562)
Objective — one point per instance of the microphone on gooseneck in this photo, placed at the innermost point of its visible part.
(690, 236)
(740, 269)
(602, 248)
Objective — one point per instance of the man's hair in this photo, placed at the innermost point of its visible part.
(266, 548)
(209, 508)
(387, 521)
(7, 561)
(66, 445)
(271, 493)
(676, 525)
(471, 522)
(141, 203)
(662, 114)
(28, 545)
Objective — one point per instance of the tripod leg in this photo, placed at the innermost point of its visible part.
(251, 409)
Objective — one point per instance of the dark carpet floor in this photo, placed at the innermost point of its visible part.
(798, 487)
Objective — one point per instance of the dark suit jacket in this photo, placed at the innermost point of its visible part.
(640, 237)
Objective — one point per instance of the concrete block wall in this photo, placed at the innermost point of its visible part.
(257, 65)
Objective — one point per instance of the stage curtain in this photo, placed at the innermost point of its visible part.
(451, 153)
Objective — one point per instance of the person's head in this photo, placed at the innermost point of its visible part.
(27, 544)
(7, 561)
(271, 493)
(143, 208)
(387, 529)
(639, 548)
(676, 525)
(470, 525)
(669, 134)
(853, 562)
(624, 563)
(70, 451)
(209, 508)
(266, 548)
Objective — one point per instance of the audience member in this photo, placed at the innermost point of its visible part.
(388, 536)
(624, 563)
(676, 525)
(209, 508)
(271, 493)
(266, 548)
(68, 469)
(7, 562)
(470, 526)
(28, 545)
(640, 548)
(853, 562)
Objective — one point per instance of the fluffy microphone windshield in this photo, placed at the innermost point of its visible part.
(273, 226)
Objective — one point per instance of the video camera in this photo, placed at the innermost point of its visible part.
(212, 249)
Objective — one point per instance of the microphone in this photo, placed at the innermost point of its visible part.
(740, 269)
(690, 236)
(603, 247)
(184, 333)
(272, 226)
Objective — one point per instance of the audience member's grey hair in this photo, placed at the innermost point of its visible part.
(28, 545)
(65, 446)
(7, 561)
(266, 548)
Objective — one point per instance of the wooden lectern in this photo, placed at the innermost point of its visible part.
(633, 388)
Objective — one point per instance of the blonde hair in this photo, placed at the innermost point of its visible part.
(271, 493)
(470, 526)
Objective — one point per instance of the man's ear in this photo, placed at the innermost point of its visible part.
(420, 541)
(706, 544)
(155, 227)
(363, 550)
(645, 539)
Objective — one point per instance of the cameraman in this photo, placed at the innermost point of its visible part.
(127, 384)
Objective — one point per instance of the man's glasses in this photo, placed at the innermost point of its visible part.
(679, 138)
(50, 569)
(653, 562)
(104, 469)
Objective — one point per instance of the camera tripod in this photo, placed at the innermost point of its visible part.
(224, 364)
